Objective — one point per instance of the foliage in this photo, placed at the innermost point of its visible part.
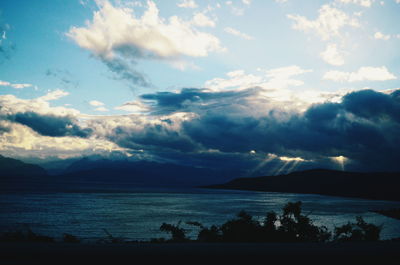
(359, 231)
(177, 232)
(290, 226)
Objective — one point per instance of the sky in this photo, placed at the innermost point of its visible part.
(267, 87)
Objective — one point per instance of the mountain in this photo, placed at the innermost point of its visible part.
(16, 175)
(381, 186)
(104, 174)
(141, 173)
(10, 169)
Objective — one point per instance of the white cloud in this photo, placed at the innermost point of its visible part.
(134, 107)
(113, 29)
(11, 105)
(246, 2)
(21, 141)
(380, 36)
(286, 72)
(281, 1)
(187, 4)
(332, 55)
(96, 103)
(54, 95)
(236, 79)
(237, 33)
(364, 3)
(235, 10)
(275, 79)
(329, 23)
(119, 38)
(363, 74)
(16, 86)
(202, 20)
(101, 109)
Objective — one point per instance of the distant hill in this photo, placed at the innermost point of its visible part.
(105, 174)
(17, 175)
(381, 186)
(141, 173)
(10, 169)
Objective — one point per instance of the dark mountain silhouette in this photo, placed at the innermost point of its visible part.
(142, 173)
(16, 175)
(382, 186)
(13, 169)
(105, 174)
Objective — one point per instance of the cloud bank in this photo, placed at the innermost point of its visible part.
(119, 38)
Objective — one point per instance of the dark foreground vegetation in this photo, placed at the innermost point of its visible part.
(290, 226)
(288, 238)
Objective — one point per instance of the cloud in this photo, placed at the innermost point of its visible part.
(21, 141)
(332, 55)
(219, 129)
(16, 86)
(133, 107)
(234, 9)
(329, 23)
(38, 115)
(120, 39)
(10, 105)
(99, 106)
(380, 36)
(51, 125)
(96, 103)
(101, 109)
(237, 33)
(202, 20)
(364, 3)
(64, 76)
(278, 78)
(187, 4)
(54, 95)
(193, 100)
(363, 74)
(32, 128)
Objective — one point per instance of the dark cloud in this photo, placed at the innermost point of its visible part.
(364, 127)
(124, 70)
(157, 136)
(231, 130)
(65, 77)
(192, 99)
(50, 125)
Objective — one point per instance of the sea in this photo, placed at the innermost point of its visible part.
(137, 214)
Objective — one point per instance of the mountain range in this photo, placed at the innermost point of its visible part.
(122, 174)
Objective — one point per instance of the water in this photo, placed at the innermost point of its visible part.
(138, 215)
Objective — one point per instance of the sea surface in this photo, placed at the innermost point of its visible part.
(138, 214)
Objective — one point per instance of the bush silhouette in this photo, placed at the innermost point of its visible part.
(178, 234)
(359, 231)
(290, 226)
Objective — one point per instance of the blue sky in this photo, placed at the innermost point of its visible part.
(118, 70)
